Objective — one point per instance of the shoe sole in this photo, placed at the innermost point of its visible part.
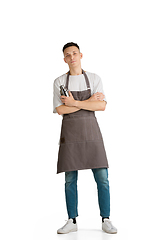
(75, 230)
(109, 232)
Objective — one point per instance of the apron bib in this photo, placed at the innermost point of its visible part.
(81, 143)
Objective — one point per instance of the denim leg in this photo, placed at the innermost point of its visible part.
(101, 178)
(71, 193)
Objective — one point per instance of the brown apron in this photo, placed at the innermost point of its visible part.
(81, 143)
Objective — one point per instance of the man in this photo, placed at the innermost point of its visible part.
(81, 143)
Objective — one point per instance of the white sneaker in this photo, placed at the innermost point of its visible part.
(108, 227)
(68, 227)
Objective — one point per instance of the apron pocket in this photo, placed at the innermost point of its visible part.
(79, 130)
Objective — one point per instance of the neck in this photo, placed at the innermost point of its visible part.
(75, 71)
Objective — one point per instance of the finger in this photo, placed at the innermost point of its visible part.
(96, 95)
(63, 97)
(70, 94)
(102, 95)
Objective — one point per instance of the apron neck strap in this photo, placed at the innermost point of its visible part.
(86, 78)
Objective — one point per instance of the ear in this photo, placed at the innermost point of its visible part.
(64, 60)
(81, 55)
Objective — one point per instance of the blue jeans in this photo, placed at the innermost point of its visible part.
(71, 193)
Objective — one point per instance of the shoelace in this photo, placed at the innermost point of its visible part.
(109, 224)
(65, 224)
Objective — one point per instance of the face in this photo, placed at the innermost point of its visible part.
(72, 56)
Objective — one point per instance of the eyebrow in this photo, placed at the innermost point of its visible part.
(69, 53)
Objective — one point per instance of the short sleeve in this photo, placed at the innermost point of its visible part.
(98, 86)
(56, 96)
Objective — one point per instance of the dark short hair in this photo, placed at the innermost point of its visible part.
(70, 44)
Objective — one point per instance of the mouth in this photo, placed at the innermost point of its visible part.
(73, 61)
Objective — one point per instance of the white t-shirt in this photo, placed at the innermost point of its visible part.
(76, 83)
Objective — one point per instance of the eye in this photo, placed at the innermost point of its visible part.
(75, 53)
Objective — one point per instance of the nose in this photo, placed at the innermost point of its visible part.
(72, 56)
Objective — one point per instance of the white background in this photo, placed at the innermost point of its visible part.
(120, 42)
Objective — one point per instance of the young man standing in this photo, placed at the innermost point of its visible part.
(81, 143)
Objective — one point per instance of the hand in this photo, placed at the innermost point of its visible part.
(97, 97)
(68, 101)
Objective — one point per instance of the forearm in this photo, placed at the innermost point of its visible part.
(94, 103)
(91, 105)
(63, 109)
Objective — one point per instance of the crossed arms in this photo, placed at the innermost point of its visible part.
(94, 103)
